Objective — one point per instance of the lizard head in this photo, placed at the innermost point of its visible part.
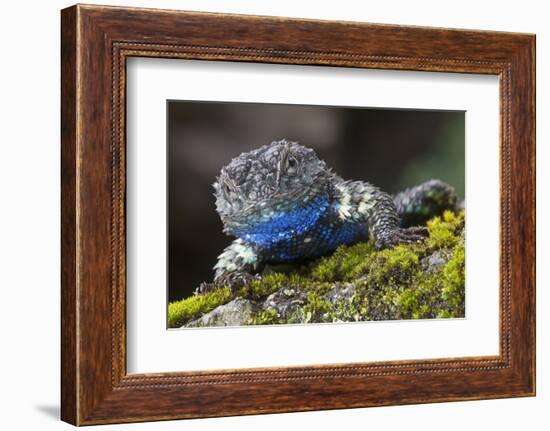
(261, 185)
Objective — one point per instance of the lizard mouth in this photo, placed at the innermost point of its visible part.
(246, 209)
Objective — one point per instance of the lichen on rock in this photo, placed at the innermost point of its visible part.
(355, 283)
(238, 312)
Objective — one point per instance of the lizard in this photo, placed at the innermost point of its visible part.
(284, 205)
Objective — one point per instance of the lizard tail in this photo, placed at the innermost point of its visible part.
(418, 204)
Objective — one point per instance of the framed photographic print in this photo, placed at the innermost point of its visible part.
(265, 214)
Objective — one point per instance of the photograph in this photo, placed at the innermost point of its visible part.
(306, 214)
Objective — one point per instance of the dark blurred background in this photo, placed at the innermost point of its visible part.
(393, 149)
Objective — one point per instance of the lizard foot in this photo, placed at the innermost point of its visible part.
(402, 236)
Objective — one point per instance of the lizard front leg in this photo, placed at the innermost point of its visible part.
(238, 257)
(235, 267)
(359, 201)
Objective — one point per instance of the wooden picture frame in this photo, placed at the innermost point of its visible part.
(95, 43)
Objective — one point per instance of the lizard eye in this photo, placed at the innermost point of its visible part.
(291, 165)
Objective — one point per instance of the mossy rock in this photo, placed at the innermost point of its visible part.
(355, 283)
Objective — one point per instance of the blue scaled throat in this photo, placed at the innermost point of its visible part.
(284, 205)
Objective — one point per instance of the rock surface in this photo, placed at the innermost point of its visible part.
(235, 313)
(288, 304)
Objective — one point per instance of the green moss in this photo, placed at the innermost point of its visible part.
(395, 283)
(266, 286)
(390, 266)
(344, 311)
(266, 317)
(181, 312)
(316, 307)
(453, 273)
(342, 264)
(445, 231)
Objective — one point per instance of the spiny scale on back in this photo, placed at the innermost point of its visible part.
(285, 205)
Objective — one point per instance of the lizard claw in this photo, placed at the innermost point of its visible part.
(402, 236)
(233, 280)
